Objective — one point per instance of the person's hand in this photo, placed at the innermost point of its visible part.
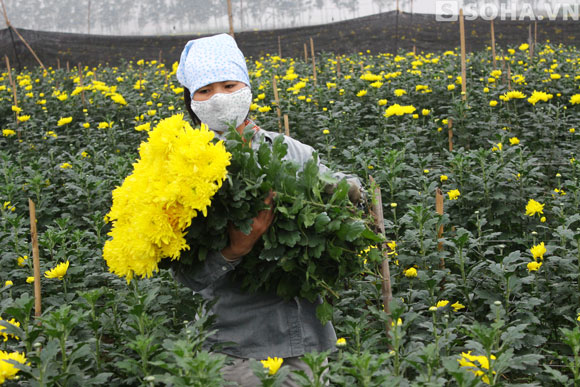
(240, 243)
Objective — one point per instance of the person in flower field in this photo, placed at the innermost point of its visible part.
(258, 325)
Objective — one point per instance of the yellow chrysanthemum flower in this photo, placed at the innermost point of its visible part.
(8, 370)
(410, 272)
(539, 96)
(399, 110)
(442, 304)
(143, 127)
(533, 207)
(534, 266)
(59, 271)
(514, 95)
(469, 361)
(63, 121)
(177, 174)
(538, 251)
(272, 364)
(453, 194)
(2, 329)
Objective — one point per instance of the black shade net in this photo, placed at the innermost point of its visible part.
(385, 32)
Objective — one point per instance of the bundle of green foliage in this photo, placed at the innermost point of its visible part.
(318, 237)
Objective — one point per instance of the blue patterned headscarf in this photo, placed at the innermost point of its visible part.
(213, 59)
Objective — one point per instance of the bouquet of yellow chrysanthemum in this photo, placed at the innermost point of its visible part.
(178, 171)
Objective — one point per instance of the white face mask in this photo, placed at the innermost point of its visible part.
(223, 110)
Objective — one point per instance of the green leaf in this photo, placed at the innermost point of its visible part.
(307, 217)
(321, 221)
(350, 230)
(289, 238)
(324, 312)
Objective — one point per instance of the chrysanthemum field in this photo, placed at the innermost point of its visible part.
(486, 293)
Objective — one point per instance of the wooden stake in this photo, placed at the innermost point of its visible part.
(58, 63)
(35, 259)
(535, 32)
(67, 67)
(313, 60)
(386, 292)
(20, 36)
(338, 66)
(414, 50)
(450, 133)
(279, 47)
(12, 83)
(286, 126)
(230, 18)
(439, 209)
(275, 87)
(305, 53)
(509, 77)
(493, 44)
(463, 65)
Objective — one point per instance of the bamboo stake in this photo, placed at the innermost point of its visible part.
(35, 259)
(231, 18)
(386, 292)
(9, 25)
(67, 67)
(493, 44)
(305, 53)
(338, 66)
(509, 77)
(12, 83)
(275, 87)
(58, 63)
(286, 125)
(535, 32)
(450, 133)
(313, 61)
(463, 66)
(279, 47)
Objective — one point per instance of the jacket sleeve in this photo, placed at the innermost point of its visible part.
(200, 275)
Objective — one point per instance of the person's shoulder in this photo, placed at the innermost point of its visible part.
(270, 136)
